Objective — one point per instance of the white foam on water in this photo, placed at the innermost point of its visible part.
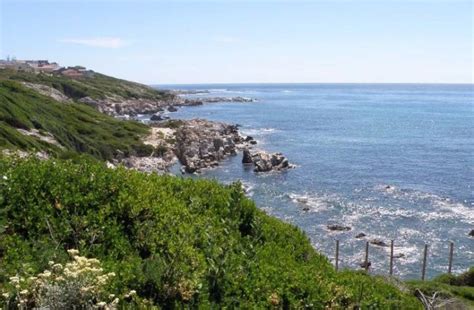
(441, 207)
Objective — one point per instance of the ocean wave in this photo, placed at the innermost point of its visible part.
(258, 131)
(442, 207)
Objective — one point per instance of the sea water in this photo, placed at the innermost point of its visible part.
(392, 161)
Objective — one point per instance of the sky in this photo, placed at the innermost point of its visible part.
(176, 42)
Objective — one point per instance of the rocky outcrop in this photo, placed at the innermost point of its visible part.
(118, 106)
(162, 157)
(200, 101)
(265, 162)
(48, 91)
(202, 144)
(41, 135)
(247, 157)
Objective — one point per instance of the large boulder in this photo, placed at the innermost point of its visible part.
(265, 162)
(156, 117)
(247, 157)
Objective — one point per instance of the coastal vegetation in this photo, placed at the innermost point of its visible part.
(75, 128)
(74, 232)
(96, 85)
(173, 241)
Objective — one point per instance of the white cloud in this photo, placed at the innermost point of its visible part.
(103, 42)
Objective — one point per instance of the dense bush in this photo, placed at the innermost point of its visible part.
(174, 241)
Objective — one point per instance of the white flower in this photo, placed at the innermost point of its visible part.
(24, 292)
(101, 304)
(15, 280)
(5, 295)
(73, 252)
(5, 177)
(132, 292)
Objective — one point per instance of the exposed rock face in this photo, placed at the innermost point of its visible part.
(247, 157)
(265, 162)
(117, 105)
(43, 136)
(48, 91)
(337, 227)
(146, 164)
(202, 144)
(162, 157)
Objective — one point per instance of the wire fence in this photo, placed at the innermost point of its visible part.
(367, 263)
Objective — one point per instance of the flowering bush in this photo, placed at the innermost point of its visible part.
(80, 283)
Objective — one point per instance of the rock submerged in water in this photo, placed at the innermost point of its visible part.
(172, 109)
(471, 233)
(156, 117)
(399, 255)
(265, 162)
(378, 242)
(365, 265)
(360, 235)
(337, 227)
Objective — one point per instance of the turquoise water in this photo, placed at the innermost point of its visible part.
(349, 142)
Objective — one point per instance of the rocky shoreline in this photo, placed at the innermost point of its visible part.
(199, 144)
(196, 144)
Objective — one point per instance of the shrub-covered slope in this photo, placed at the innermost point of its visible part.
(175, 241)
(96, 86)
(77, 127)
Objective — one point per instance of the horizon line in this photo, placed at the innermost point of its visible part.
(316, 83)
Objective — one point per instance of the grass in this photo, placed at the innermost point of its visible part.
(177, 242)
(449, 286)
(77, 127)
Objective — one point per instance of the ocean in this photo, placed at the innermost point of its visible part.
(392, 161)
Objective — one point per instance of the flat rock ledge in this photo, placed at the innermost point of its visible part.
(265, 162)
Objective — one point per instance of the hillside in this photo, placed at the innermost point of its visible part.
(107, 94)
(172, 242)
(31, 121)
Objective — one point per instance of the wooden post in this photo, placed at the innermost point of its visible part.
(451, 250)
(337, 255)
(423, 270)
(391, 257)
(366, 256)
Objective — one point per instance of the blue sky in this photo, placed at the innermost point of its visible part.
(160, 42)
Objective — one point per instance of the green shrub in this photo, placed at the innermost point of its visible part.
(176, 242)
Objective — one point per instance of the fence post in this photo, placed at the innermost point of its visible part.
(450, 263)
(391, 257)
(337, 255)
(423, 270)
(366, 256)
